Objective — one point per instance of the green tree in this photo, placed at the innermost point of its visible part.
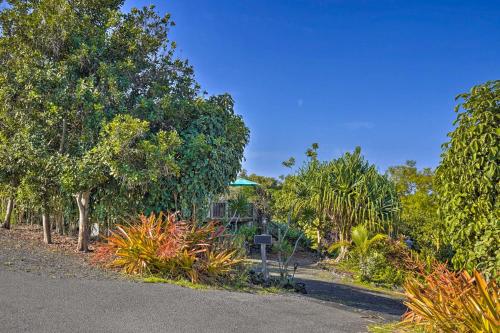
(468, 180)
(214, 139)
(106, 105)
(262, 196)
(418, 217)
(329, 198)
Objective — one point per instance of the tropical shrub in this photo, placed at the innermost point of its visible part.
(380, 271)
(468, 181)
(165, 245)
(293, 233)
(380, 260)
(361, 243)
(446, 301)
(247, 232)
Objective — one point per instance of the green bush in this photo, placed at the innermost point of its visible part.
(380, 271)
(292, 234)
(247, 232)
(384, 263)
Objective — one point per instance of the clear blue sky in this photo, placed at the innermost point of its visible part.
(379, 74)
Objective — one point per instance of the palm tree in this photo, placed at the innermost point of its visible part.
(342, 193)
(238, 206)
(350, 191)
(362, 244)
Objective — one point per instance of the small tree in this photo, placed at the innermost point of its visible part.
(127, 153)
(286, 249)
(362, 244)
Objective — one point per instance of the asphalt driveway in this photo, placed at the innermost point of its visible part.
(38, 303)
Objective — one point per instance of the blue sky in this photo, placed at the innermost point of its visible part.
(379, 74)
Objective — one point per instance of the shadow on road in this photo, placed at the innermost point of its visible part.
(354, 297)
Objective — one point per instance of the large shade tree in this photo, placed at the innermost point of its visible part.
(468, 181)
(112, 112)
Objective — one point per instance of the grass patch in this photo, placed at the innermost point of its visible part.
(382, 328)
(372, 287)
(393, 327)
(246, 288)
(180, 282)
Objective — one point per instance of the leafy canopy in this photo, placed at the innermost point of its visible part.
(468, 181)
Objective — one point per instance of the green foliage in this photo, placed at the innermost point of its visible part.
(293, 233)
(239, 206)
(176, 249)
(262, 196)
(361, 240)
(419, 219)
(380, 271)
(285, 247)
(328, 198)
(214, 139)
(370, 262)
(468, 181)
(94, 100)
(247, 232)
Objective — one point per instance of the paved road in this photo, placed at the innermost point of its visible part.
(38, 303)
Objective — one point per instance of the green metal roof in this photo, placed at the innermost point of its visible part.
(243, 182)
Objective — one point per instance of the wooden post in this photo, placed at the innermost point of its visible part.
(263, 240)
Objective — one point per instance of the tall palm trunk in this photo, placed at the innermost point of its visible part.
(8, 213)
(82, 201)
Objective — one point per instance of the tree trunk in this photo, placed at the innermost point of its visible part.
(343, 248)
(60, 223)
(8, 214)
(82, 200)
(318, 239)
(47, 237)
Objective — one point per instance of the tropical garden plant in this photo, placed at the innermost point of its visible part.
(446, 301)
(173, 248)
(362, 244)
(329, 198)
(285, 246)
